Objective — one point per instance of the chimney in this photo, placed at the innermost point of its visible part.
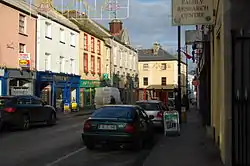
(38, 3)
(115, 26)
(74, 14)
(156, 47)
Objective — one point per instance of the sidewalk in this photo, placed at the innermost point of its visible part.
(192, 148)
(61, 115)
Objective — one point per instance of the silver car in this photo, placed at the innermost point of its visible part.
(155, 108)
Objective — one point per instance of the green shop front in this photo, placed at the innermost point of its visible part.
(87, 92)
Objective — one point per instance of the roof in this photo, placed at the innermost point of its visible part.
(148, 101)
(147, 55)
(20, 5)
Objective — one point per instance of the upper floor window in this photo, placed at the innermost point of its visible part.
(62, 36)
(163, 80)
(72, 65)
(22, 48)
(86, 62)
(145, 81)
(48, 30)
(99, 64)
(85, 42)
(92, 44)
(99, 47)
(22, 20)
(72, 39)
(163, 66)
(145, 67)
(47, 62)
(93, 64)
(62, 64)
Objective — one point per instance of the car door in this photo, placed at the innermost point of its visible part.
(39, 112)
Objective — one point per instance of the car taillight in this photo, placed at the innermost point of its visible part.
(160, 114)
(9, 109)
(129, 128)
(87, 125)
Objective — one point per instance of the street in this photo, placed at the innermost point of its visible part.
(60, 145)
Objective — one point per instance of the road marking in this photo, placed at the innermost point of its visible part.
(66, 156)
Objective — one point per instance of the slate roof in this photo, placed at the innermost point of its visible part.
(147, 55)
(20, 5)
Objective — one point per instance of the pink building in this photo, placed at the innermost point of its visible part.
(17, 36)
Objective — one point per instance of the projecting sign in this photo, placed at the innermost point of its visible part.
(24, 60)
(192, 36)
(192, 12)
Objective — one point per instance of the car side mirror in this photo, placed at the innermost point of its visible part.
(151, 117)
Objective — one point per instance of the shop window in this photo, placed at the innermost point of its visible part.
(145, 81)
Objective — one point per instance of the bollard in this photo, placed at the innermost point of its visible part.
(183, 115)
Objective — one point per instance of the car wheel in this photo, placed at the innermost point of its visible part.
(90, 146)
(52, 119)
(26, 122)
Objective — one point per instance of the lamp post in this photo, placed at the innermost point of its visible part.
(179, 74)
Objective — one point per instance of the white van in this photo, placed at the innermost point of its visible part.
(103, 96)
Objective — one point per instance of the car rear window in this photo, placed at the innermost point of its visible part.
(149, 106)
(114, 112)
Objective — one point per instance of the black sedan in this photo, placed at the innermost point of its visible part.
(23, 111)
(118, 125)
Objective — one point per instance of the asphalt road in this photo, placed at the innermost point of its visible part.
(61, 145)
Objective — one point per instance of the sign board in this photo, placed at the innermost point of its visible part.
(171, 122)
(192, 36)
(192, 12)
(24, 60)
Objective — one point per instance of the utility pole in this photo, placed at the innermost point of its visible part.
(186, 71)
(179, 74)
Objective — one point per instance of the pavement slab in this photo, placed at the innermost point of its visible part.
(191, 148)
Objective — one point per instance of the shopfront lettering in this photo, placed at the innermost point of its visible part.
(61, 78)
(46, 77)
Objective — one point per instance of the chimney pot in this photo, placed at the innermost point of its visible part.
(115, 26)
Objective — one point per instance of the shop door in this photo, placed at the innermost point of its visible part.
(240, 98)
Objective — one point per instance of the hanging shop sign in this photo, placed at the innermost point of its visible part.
(192, 12)
(24, 60)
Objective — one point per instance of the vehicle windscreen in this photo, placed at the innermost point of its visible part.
(114, 112)
(149, 106)
(3, 101)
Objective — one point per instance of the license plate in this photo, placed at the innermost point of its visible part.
(107, 127)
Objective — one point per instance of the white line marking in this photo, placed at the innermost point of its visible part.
(66, 156)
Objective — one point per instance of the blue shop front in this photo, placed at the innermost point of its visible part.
(58, 88)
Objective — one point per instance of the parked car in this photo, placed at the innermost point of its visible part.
(24, 111)
(122, 125)
(154, 108)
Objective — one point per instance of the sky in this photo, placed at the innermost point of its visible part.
(147, 21)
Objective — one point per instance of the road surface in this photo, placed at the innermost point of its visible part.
(60, 145)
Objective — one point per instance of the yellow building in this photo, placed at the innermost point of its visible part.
(93, 54)
(158, 72)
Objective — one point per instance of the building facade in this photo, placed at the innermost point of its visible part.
(158, 73)
(57, 59)
(17, 48)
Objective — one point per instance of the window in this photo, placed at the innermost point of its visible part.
(72, 65)
(36, 101)
(86, 63)
(145, 67)
(163, 66)
(22, 20)
(48, 30)
(85, 42)
(22, 48)
(72, 40)
(61, 64)
(145, 80)
(92, 64)
(47, 62)
(114, 112)
(99, 47)
(92, 44)
(99, 65)
(149, 106)
(163, 81)
(25, 100)
(62, 36)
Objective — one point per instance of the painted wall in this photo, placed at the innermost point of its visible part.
(10, 37)
(49, 51)
(89, 75)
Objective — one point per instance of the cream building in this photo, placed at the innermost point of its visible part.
(158, 70)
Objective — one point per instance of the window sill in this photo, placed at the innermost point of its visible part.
(62, 42)
(99, 53)
(72, 45)
(92, 51)
(20, 33)
(47, 37)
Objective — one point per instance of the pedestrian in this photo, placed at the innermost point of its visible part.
(112, 100)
